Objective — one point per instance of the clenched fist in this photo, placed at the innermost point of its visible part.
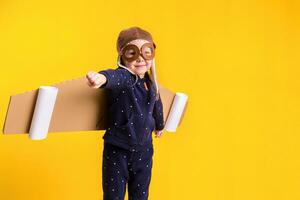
(95, 80)
(158, 133)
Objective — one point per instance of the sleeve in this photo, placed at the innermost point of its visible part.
(116, 78)
(158, 115)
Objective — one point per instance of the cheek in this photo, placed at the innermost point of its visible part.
(129, 64)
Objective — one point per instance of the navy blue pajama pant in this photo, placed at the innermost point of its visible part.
(121, 166)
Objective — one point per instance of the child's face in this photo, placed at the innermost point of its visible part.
(139, 66)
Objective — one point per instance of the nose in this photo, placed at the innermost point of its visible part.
(140, 59)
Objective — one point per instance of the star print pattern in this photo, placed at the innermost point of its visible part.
(120, 167)
(134, 111)
(133, 114)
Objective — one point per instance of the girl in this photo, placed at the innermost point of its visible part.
(135, 111)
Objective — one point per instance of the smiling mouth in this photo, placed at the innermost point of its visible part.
(140, 65)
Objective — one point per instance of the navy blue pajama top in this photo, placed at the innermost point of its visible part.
(133, 111)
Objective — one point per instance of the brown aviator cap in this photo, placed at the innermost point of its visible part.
(130, 34)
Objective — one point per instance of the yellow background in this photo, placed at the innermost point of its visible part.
(237, 60)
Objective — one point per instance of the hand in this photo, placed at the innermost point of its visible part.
(158, 133)
(95, 80)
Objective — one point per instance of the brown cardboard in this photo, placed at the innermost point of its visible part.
(77, 108)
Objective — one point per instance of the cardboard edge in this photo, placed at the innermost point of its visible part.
(170, 109)
(7, 110)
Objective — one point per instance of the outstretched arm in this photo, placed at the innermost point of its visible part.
(110, 78)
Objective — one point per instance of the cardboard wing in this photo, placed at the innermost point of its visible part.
(76, 107)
